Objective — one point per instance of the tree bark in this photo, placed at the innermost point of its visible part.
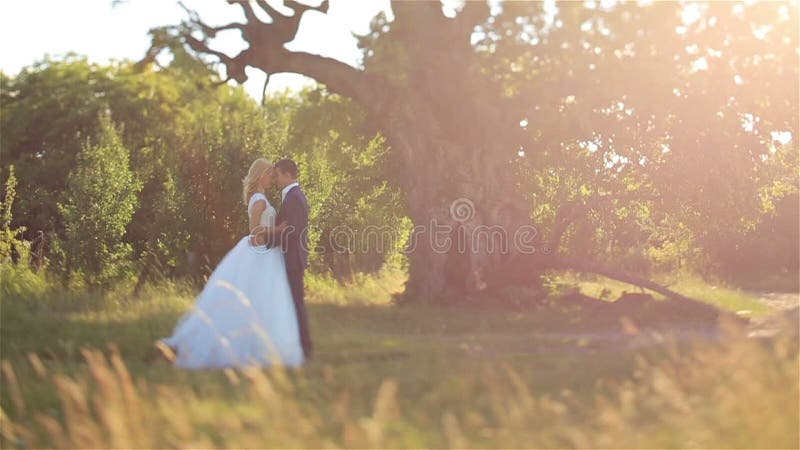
(466, 211)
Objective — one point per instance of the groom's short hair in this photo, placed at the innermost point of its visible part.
(287, 166)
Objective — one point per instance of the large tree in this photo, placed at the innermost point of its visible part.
(466, 100)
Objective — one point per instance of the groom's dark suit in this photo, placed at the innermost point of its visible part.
(294, 242)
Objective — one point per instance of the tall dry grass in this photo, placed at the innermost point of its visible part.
(741, 394)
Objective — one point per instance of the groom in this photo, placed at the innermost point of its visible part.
(293, 240)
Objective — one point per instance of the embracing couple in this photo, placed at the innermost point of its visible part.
(251, 311)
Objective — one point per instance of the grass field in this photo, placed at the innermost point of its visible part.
(81, 371)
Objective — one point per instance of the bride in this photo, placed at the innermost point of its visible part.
(244, 315)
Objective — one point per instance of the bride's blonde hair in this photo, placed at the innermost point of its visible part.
(250, 182)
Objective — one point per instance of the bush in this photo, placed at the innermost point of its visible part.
(17, 278)
(101, 199)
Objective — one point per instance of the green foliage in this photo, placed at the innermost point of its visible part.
(17, 278)
(378, 288)
(50, 108)
(190, 145)
(225, 132)
(660, 112)
(768, 251)
(168, 228)
(100, 202)
(357, 216)
(10, 242)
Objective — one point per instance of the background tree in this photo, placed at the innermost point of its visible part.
(102, 196)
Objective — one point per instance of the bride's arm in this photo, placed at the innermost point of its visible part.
(255, 215)
(258, 232)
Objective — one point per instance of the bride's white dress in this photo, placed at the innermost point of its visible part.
(245, 315)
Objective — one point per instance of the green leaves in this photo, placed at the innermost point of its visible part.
(101, 198)
(344, 172)
(161, 192)
(666, 100)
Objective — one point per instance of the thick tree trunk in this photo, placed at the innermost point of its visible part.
(470, 223)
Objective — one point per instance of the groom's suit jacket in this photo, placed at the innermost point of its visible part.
(294, 240)
(294, 243)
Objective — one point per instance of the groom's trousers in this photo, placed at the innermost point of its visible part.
(297, 285)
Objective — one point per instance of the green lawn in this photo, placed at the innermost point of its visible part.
(397, 376)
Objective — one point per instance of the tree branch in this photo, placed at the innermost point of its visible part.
(300, 8)
(266, 51)
(234, 66)
(212, 31)
(206, 29)
(336, 75)
(282, 29)
(267, 8)
(562, 262)
(249, 14)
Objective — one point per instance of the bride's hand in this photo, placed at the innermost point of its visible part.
(257, 236)
(257, 240)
